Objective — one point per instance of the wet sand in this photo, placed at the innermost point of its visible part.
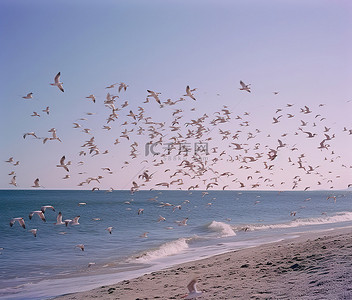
(313, 266)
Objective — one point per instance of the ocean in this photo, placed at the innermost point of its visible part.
(197, 225)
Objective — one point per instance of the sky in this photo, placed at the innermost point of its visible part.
(301, 49)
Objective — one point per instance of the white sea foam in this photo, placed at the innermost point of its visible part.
(339, 217)
(222, 228)
(167, 249)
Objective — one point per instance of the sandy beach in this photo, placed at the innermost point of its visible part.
(312, 266)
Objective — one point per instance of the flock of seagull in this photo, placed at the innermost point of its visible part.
(239, 149)
(41, 215)
(250, 164)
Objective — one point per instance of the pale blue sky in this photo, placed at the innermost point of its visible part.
(300, 48)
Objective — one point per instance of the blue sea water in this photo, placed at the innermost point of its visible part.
(50, 264)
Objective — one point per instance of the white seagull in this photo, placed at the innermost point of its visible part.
(92, 97)
(34, 231)
(183, 222)
(58, 83)
(44, 207)
(46, 110)
(189, 92)
(53, 131)
(10, 160)
(72, 222)
(154, 95)
(193, 292)
(144, 235)
(20, 221)
(30, 133)
(63, 165)
(29, 96)
(81, 246)
(245, 87)
(161, 218)
(122, 86)
(36, 183)
(109, 229)
(39, 213)
(59, 219)
(13, 181)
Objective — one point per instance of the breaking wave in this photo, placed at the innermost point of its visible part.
(167, 249)
(222, 228)
(339, 217)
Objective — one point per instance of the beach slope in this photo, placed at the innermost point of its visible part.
(313, 266)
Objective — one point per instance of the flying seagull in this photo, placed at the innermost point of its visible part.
(20, 221)
(10, 160)
(39, 213)
(81, 246)
(46, 110)
(30, 133)
(92, 97)
(72, 222)
(63, 165)
(58, 83)
(245, 87)
(44, 207)
(154, 95)
(122, 86)
(189, 92)
(34, 231)
(13, 181)
(36, 183)
(59, 219)
(28, 96)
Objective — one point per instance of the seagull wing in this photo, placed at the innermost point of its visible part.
(62, 161)
(59, 218)
(41, 215)
(75, 220)
(21, 221)
(57, 78)
(192, 286)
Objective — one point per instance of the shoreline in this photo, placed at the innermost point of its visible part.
(315, 265)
